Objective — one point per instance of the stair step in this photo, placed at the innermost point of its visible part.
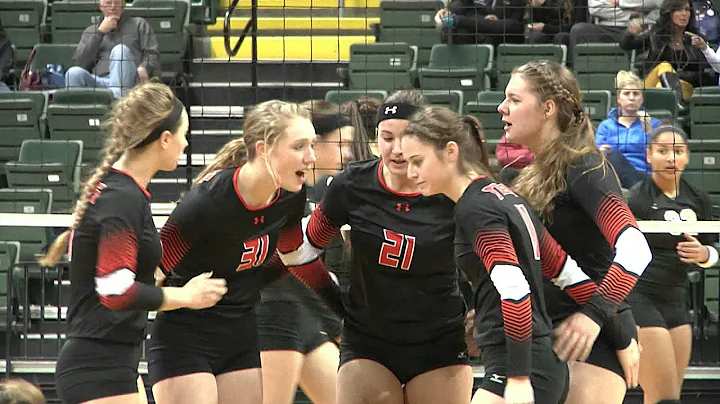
(288, 71)
(297, 48)
(297, 23)
(225, 4)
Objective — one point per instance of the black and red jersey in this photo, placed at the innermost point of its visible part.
(114, 252)
(592, 223)
(403, 281)
(666, 274)
(213, 229)
(505, 250)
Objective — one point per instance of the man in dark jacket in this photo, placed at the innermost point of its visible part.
(484, 21)
(116, 53)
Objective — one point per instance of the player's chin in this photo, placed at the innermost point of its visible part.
(296, 182)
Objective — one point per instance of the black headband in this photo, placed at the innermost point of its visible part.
(328, 123)
(395, 111)
(169, 124)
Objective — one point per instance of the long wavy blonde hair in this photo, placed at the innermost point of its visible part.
(545, 178)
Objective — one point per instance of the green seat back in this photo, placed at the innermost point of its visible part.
(26, 201)
(383, 66)
(48, 164)
(9, 255)
(51, 53)
(168, 19)
(452, 99)
(596, 104)
(22, 117)
(21, 20)
(71, 17)
(596, 65)
(510, 56)
(457, 67)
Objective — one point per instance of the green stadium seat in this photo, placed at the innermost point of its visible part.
(77, 114)
(71, 17)
(48, 164)
(50, 53)
(22, 21)
(383, 66)
(340, 97)
(660, 103)
(705, 121)
(411, 22)
(458, 67)
(596, 104)
(452, 99)
(707, 181)
(596, 65)
(9, 253)
(26, 201)
(510, 56)
(169, 20)
(485, 109)
(22, 117)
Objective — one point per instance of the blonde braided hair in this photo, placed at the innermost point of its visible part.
(131, 120)
(541, 181)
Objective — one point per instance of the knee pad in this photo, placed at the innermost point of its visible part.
(668, 402)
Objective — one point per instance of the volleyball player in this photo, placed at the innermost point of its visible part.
(578, 197)
(499, 244)
(297, 332)
(405, 313)
(114, 250)
(658, 300)
(246, 204)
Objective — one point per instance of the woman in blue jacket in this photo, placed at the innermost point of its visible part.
(623, 137)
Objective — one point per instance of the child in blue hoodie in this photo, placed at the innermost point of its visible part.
(623, 137)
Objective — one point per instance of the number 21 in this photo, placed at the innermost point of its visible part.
(397, 250)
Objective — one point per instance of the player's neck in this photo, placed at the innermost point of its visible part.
(142, 169)
(458, 186)
(255, 184)
(668, 186)
(400, 184)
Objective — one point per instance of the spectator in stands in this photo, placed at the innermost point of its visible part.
(551, 20)
(671, 61)
(7, 58)
(18, 391)
(712, 57)
(610, 18)
(658, 299)
(622, 137)
(483, 21)
(117, 53)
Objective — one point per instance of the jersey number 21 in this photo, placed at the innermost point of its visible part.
(397, 250)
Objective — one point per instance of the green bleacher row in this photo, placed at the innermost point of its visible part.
(31, 22)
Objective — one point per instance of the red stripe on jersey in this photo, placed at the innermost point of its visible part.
(552, 255)
(320, 230)
(614, 216)
(117, 250)
(495, 247)
(312, 274)
(120, 302)
(582, 292)
(517, 319)
(290, 239)
(616, 285)
(174, 246)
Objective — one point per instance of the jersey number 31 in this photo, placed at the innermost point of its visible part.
(397, 250)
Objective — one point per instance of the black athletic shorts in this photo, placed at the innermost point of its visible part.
(288, 326)
(656, 311)
(182, 348)
(405, 361)
(90, 369)
(549, 375)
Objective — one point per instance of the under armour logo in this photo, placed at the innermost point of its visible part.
(391, 110)
(259, 220)
(399, 207)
